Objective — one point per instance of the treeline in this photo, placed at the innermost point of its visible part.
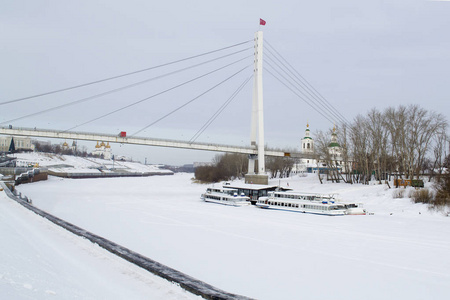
(279, 167)
(58, 149)
(232, 166)
(405, 142)
(225, 167)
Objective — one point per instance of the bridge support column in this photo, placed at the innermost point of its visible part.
(251, 164)
(257, 130)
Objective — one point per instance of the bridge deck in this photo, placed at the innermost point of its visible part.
(47, 133)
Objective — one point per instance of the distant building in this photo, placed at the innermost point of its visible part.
(334, 148)
(307, 142)
(65, 146)
(307, 165)
(20, 143)
(102, 150)
(122, 158)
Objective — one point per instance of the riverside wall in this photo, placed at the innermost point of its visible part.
(78, 175)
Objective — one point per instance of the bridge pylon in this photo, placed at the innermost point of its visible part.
(257, 126)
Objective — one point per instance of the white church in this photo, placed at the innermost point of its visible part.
(307, 165)
(102, 150)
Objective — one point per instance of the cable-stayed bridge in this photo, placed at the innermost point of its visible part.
(279, 68)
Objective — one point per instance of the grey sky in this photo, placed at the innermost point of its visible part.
(358, 54)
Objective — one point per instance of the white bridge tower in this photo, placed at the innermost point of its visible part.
(257, 127)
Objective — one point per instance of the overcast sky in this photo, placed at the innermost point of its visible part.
(357, 54)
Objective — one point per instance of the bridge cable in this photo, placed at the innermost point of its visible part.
(303, 91)
(317, 110)
(190, 101)
(307, 83)
(119, 76)
(303, 81)
(219, 111)
(157, 94)
(118, 89)
(311, 97)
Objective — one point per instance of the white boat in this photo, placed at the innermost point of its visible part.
(309, 203)
(355, 209)
(226, 196)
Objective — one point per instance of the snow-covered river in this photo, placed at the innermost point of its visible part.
(399, 252)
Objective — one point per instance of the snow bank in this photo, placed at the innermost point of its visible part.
(75, 164)
(39, 260)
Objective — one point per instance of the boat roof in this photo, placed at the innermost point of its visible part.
(250, 186)
(224, 188)
(292, 192)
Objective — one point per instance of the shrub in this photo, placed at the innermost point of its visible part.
(398, 193)
(422, 196)
(442, 191)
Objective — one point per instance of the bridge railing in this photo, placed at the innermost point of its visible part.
(112, 138)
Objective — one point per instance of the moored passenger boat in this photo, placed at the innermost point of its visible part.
(309, 203)
(226, 196)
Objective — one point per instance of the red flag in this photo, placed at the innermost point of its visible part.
(262, 22)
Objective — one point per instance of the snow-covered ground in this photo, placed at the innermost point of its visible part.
(72, 164)
(39, 260)
(402, 251)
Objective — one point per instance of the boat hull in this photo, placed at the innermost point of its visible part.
(225, 200)
(230, 203)
(303, 210)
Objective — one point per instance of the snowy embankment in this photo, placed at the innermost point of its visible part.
(68, 164)
(399, 252)
(39, 260)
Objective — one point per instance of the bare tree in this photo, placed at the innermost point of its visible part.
(440, 153)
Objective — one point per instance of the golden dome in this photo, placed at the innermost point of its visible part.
(108, 146)
(102, 144)
(97, 146)
(65, 144)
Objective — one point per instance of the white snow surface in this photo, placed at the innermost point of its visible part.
(72, 164)
(402, 251)
(39, 260)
